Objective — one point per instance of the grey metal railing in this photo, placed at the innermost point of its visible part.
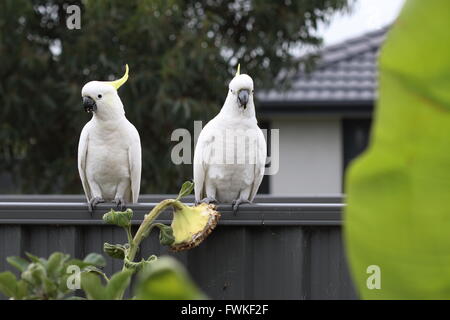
(277, 248)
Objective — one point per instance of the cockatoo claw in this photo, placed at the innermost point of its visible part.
(237, 203)
(120, 203)
(93, 202)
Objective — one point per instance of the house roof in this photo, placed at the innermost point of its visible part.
(344, 77)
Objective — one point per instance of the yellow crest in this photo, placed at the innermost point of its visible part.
(119, 82)
(238, 71)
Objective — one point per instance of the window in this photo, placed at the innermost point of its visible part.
(264, 188)
(355, 137)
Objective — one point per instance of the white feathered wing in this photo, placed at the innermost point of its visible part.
(135, 164)
(82, 155)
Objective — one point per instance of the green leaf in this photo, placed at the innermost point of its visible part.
(137, 266)
(18, 262)
(35, 274)
(166, 279)
(118, 283)
(119, 218)
(116, 251)
(94, 289)
(397, 218)
(50, 288)
(62, 284)
(77, 262)
(90, 260)
(8, 284)
(166, 237)
(95, 259)
(186, 189)
(55, 264)
(21, 290)
(33, 258)
(96, 270)
(92, 286)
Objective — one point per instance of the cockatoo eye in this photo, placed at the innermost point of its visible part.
(99, 96)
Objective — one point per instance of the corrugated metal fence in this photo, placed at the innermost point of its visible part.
(279, 248)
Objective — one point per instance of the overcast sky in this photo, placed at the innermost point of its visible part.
(367, 15)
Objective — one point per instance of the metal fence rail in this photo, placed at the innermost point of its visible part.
(277, 248)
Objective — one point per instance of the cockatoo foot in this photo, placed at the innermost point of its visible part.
(93, 202)
(209, 200)
(237, 203)
(120, 203)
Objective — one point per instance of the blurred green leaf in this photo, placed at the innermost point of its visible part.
(95, 259)
(397, 217)
(55, 264)
(166, 279)
(18, 262)
(118, 283)
(35, 274)
(8, 284)
(97, 271)
(34, 259)
(44, 279)
(21, 290)
(92, 286)
(95, 290)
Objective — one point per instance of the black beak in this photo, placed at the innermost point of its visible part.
(89, 104)
(243, 97)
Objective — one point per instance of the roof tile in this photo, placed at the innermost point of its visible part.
(345, 72)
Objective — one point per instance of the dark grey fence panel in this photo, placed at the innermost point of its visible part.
(220, 266)
(278, 262)
(10, 244)
(270, 250)
(328, 269)
(95, 236)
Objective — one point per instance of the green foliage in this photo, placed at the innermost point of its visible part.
(18, 263)
(137, 266)
(398, 204)
(116, 251)
(119, 218)
(186, 189)
(45, 279)
(159, 279)
(113, 290)
(9, 284)
(181, 55)
(166, 237)
(166, 279)
(95, 259)
(163, 279)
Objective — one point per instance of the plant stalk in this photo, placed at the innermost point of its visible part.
(145, 228)
(146, 225)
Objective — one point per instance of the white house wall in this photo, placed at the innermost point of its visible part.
(310, 156)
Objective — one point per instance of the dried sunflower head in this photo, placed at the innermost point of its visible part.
(191, 225)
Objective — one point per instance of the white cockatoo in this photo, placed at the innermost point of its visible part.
(109, 151)
(230, 154)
